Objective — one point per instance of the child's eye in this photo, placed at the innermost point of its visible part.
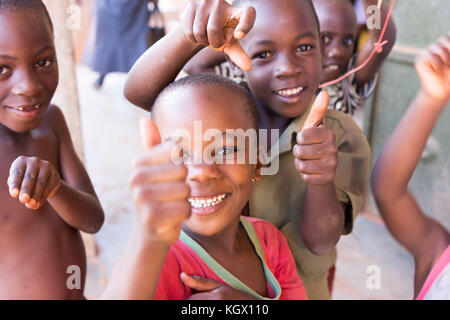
(185, 155)
(326, 39)
(4, 70)
(348, 42)
(226, 151)
(44, 63)
(304, 47)
(263, 55)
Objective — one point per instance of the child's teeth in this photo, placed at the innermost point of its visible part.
(35, 107)
(197, 203)
(290, 92)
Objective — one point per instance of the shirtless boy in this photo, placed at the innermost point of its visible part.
(46, 194)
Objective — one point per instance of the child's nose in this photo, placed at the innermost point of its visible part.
(203, 173)
(334, 51)
(287, 66)
(27, 84)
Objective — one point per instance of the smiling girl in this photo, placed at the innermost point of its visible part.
(190, 230)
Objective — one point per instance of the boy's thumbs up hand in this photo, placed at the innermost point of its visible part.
(217, 24)
(316, 152)
(159, 188)
(318, 111)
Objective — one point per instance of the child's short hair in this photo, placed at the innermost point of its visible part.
(240, 3)
(211, 79)
(16, 5)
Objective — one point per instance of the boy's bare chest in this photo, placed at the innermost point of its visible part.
(42, 144)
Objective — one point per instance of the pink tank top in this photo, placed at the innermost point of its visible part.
(437, 284)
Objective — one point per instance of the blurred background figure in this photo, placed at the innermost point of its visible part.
(117, 36)
(156, 24)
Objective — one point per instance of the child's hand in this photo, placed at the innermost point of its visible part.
(212, 290)
(217, 24)
(433, 67)
(33, 181)
(159, 188)
(316, 152)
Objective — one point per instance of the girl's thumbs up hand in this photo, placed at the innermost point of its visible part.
(316, 152)
(217, 24)
(149, 133)
(159, 188)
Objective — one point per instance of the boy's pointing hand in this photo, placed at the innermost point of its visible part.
(316, 152)
(159, 188)
(217, 24)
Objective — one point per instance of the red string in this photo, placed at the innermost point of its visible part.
(378, 48)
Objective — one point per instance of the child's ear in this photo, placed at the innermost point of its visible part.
(258, 176)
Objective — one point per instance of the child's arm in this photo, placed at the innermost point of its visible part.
(322, 218)
(206, 23)
(204, 61)
(70, 192)
(158, 67)
(161, 197)
(422, 236)
(367, 73)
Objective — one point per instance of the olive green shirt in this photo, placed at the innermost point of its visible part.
(279, 198)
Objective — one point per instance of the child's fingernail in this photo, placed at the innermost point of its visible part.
(14, 192)
(24, 197)
(32, 203)
(239, 35)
